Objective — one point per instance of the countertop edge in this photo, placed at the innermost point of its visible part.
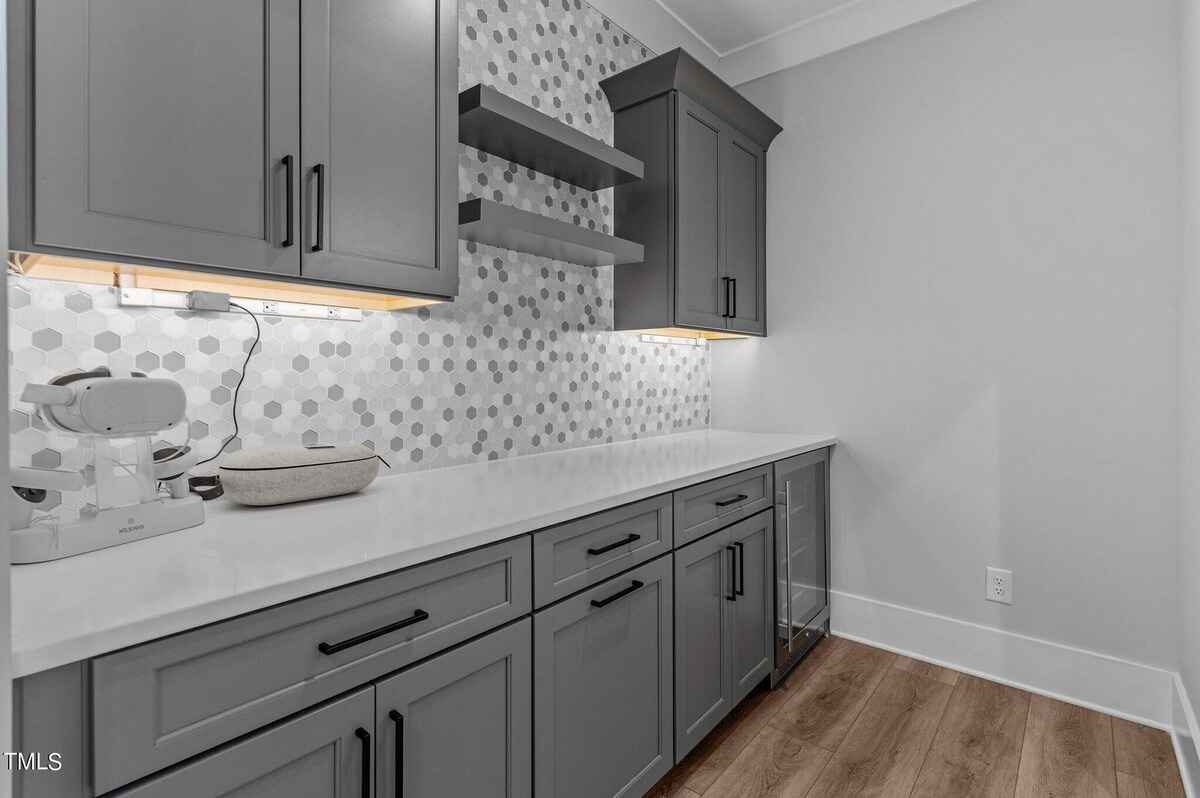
(39, 659)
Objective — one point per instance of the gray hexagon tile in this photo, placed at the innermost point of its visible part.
(523, 361)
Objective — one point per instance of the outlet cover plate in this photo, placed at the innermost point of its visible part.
(999, 586)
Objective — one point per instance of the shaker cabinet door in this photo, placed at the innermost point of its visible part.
(704, 588)
(699, 258)
(380, 135)
(752, 635)
(459, 724)
(163, 130)
(325, 753)
(602, 692)
(744, 200)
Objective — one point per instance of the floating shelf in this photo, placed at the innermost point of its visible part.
(488, 222)
(495, 123)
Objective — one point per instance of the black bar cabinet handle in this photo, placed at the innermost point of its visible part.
(725, 312)
(733, 312)
(319, 173)
(732, 575)
(398, 719)
(365, 736)
(741, 497)
(289, 167)
(333, 648)
(741, 558)
(605, 549)
(637, 585)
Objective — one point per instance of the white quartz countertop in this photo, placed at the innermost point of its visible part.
(244, 559)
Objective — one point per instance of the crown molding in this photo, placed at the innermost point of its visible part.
(841, 27)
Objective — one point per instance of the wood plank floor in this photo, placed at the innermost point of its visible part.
(853, 720)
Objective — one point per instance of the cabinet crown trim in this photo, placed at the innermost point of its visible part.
(677, 70)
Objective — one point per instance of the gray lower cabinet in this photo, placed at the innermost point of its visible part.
(723, 624)
(603, 687)
(752, 633)
(154, 705)
(325, 753)
(703, 685)
(460, 724)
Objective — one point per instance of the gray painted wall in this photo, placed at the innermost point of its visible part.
(972, 260)
(1189, 383)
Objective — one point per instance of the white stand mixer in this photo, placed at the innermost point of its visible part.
(101, 408)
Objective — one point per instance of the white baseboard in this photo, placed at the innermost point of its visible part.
(1130, 690)
(1184, 735)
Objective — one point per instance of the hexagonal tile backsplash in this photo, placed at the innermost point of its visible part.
(523, 361)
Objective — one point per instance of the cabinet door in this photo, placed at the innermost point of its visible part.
(699, 266)
(380, 132)
(703, 589)
(602, 689)
(744, 200)
(460, 723)
(751, 632)
(325, 753)
(162, 127)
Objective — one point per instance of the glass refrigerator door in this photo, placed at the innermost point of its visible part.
(801, 564)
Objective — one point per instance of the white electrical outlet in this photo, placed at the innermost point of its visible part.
(999, 585)
(270, 308)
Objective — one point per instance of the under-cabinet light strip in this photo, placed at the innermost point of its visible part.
(178, 300)
(671, 340)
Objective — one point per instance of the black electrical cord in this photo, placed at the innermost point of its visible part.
(236, 390)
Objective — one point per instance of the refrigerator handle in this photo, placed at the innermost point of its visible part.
(787, 559)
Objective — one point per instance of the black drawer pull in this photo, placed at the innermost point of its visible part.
(741, 558)
(289, 165)
(398, 719)
(728, 302)
(365, 736)
(741, 497)
(732, 595)
(637, 585)
(605, 549)
(333, 648)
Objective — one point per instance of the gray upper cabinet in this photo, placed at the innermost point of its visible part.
(699, 299)
(379, 133)
(744, 195)
(701, 209)
(460, 723)
(602, 693)
(161, 129)
(724, 636)
(326, 753)
(283, 138)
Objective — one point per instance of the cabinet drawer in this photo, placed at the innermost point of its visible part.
(575, 555)
(156, 704)
(711, 505)
(325, 753)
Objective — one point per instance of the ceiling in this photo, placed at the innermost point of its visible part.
(727, 26)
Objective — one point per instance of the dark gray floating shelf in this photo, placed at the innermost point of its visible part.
(488, 222)
(497, 124)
